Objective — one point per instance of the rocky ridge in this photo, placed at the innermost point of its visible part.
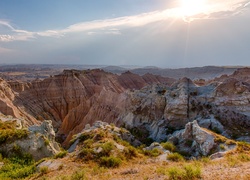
(149, 105)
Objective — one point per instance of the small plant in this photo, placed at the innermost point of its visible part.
(106, 149)
(46, 142)
(176, 157)
(44, 170)
(153, 153)
(9, 133)
(192, 172)
(61, 154)
(110, 162)
(130, 152)
(87, 154)
(176, 173)
(222, 147)
(78, 175)
(85, 136)
(188, 172)
(169, 146)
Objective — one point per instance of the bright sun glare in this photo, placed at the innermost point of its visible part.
(192, 7)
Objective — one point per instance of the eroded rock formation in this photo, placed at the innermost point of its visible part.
(150, 105)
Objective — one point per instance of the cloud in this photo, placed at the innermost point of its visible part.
(217, 9)
(15, 34)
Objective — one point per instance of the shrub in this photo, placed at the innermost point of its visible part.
(85, 136)
(176, 157)
(188, 172)
(61, 154)
(130, 152)
(192, 172)
(222, 147)
(87, 154)
(78, 175)
(110, 162)
(18, 166)
(169, 146)
(44, 170)
(9, 133)
(106, 149)
(153, 153)
(176, 173)
(46, 142)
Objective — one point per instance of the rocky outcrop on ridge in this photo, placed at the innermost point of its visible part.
(103, 126)
(195, 141)
(39, 141)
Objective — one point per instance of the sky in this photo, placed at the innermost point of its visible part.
(162, 33)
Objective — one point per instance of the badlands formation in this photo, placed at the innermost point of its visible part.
(197, 116)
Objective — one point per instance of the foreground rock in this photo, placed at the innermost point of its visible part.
(39, 141)
(195, 141)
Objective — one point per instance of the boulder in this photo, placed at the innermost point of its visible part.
(40, 142)
(194, 140)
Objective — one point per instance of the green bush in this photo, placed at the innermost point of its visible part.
(44, 170)
(176, 173)
(61, 154)
(192, 172)
(176, 157)
(78, 175)
(169, 146)
(9, 133)
(85, 136)
(18, 166)
(152, 153)
(106, 149)
(110, 162)
(87, 154)
(130, 152)
(188, 172)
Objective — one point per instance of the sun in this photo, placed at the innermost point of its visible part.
(192, 7)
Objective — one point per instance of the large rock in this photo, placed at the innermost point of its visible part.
(194, 140)
(40, 142)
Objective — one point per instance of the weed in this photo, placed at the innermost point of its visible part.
(8, 132)
(78, 175)
(110, 162)
(153, 153)
(44, 170)
(46, 141)
(188, 172)
(61, 154)
(192, 172)
(176, 173)
(169, 146)
(176, 157)
(222, 147)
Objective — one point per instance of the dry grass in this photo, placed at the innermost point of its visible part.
(229, 167)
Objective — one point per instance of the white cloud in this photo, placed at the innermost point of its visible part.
(218, 9)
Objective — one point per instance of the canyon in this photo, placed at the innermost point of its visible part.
(148, 104)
